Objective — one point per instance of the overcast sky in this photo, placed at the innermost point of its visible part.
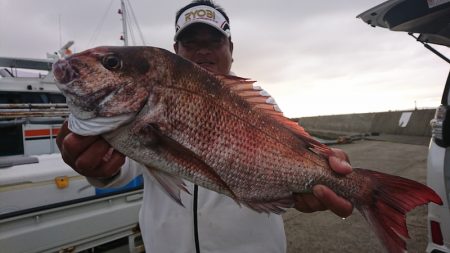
(314, 57)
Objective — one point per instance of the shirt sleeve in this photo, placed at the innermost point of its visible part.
(129, 170)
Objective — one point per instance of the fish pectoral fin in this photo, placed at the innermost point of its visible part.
(196, 167)
(170, 183)
(188, 162)
(278, 206)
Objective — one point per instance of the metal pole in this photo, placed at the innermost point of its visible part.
(431, 48)
(124, 23)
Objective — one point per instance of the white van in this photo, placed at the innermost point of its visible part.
(430, 20)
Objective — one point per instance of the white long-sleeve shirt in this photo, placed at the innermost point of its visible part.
(223, 226)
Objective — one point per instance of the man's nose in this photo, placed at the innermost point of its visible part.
(203, 50)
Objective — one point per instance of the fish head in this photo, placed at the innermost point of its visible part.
(106, 81)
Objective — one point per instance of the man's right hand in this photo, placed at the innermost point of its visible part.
(88, 155)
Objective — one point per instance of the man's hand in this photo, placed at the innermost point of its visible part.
(322, 197)
(91, 156)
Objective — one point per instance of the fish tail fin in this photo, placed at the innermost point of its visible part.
(392, 197)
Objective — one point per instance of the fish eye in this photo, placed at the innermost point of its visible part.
(112, 62)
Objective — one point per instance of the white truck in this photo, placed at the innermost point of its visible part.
(45, 206)
(430, 20)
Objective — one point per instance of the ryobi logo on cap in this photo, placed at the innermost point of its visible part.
(201, 13)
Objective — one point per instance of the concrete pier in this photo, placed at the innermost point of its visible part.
(414, 124)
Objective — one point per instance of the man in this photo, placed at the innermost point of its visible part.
(208, 222)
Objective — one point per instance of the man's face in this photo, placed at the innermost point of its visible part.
(206, 47)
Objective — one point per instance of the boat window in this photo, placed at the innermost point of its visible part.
(4, 72)
(30, 98)
(12, 140)
(56, 98)
(10, 98)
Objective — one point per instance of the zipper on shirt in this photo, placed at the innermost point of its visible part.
(197, 243)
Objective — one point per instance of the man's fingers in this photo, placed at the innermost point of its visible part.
(330, 200)
(340, 154)
(76, 144)
(308, 203)
(105, 169)
(99, 160)
(339, 162)
(339, 166)
(92, 155)
(63, 132)
(72, 145)
(113, 165)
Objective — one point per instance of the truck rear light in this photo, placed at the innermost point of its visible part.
(439, 130)
(436, 234)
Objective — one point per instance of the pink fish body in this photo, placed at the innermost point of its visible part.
(219, 132)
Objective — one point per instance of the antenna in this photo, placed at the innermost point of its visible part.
(59, 28)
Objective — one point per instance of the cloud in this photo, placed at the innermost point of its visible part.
(314, 57)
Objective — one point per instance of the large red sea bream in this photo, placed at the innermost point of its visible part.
(219, 132)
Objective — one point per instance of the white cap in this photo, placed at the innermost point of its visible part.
(202, 14)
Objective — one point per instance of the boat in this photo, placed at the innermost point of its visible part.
(31, 113)
(43, 201)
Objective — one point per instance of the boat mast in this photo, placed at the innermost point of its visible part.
(122, 11)
(127, 23)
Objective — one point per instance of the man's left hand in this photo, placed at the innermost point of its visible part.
(323, 198)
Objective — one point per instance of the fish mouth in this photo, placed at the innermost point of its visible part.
(64, 72)
(87, 106)
(83, 103)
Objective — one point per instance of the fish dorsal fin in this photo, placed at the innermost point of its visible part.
(254, 95)
(236, 83)
(260, 100)
(314, 145)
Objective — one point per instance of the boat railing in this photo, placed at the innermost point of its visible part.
(14, 111)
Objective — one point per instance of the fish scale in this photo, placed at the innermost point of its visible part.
(233, 140)
(222, 133)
